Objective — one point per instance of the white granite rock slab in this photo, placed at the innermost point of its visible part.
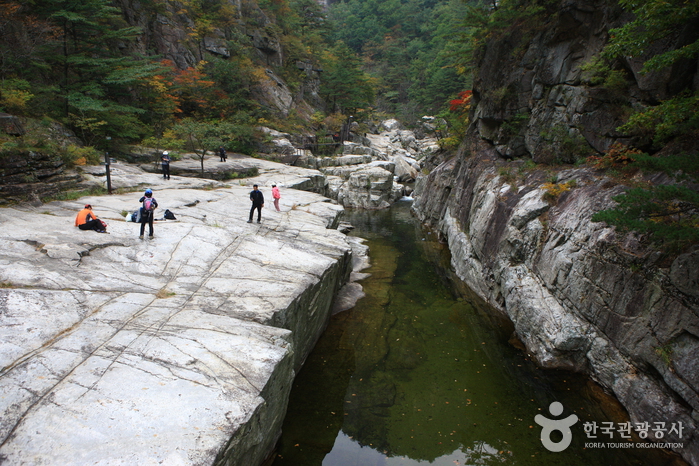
(117, 350)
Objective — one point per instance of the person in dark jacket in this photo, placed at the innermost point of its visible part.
(165, 162)
(258, 202)
(222, 153)
(149, 206)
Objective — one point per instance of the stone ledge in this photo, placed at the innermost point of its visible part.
(178, 350)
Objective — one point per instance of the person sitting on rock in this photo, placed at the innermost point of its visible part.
(87, 220)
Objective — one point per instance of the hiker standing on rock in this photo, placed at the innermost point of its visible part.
(165, 162)
(149, 206)
(87, 220)
(276, 196)
(222, 153)
(258, 202)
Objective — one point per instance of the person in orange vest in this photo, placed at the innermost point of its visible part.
(87, 220)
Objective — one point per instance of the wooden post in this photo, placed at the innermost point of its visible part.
(106, 165)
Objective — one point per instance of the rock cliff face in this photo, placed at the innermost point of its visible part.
(168, 33)
(581, 296)
(537, 98)
(33, 172)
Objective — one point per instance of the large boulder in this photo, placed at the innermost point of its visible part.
(408, 140)
(349, 147)
(390, 125)
(404, 171)
(427, 147)
(283, 146)
(369, 188)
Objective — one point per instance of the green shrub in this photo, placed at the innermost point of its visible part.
(513, 126)
(168, 141)
(74, 155)
(568, 146)
(14, 95)
(668, 214)
(674, 117)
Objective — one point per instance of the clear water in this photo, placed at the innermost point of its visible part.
(419, 373)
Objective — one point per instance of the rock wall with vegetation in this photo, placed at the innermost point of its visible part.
(172, 75)
(581, 296)
(542, 90)
(562, 129)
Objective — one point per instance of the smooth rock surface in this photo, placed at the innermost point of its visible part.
(175, 350)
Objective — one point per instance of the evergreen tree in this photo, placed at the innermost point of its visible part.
(95, 77)
(411, 48)
(344, 85)
(668, 214)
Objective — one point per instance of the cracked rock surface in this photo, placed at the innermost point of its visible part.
(582, 296)
(180, 349)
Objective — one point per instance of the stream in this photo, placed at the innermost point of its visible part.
(419, 373)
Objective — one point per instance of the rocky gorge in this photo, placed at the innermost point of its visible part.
(581, 298)
(179, 349)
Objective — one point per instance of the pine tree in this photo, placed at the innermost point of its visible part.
(344, 85)
(96, 78)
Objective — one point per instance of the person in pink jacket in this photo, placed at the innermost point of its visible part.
(276, 196)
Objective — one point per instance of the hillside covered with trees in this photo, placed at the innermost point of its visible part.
(144, 72)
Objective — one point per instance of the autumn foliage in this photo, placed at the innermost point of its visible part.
(618, 155)
(463, 103)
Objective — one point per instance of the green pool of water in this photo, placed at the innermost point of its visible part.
(419, 373)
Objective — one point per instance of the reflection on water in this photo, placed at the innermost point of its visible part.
(347, 451)
(416, 375)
